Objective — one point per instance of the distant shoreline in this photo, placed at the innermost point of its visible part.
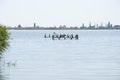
(59, 29)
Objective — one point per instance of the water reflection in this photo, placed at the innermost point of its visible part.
(5, 67)
(2, 77)
(3, 47)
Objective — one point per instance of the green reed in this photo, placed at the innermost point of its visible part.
(4, 36)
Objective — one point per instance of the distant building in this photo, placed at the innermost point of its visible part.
(19, 26)
(64, 26)
(109, 25)
(117, 26)
(83, 25)
(97, 25)
(101, 25)
(90, 25)
(34, 25)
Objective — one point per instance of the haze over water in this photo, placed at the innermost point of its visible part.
(94, 56)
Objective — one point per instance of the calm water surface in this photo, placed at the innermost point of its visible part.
(95, 56)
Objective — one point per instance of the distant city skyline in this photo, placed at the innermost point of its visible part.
(108, 25)
(81, 25)
(62, 12)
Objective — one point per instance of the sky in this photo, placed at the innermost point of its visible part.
(59, 12)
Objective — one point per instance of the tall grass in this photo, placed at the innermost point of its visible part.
(4, 36)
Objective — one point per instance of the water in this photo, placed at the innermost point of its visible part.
(95, 56)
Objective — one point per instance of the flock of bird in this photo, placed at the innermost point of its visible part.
(9, 63)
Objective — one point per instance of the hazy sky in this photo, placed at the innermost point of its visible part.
(59, 12)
